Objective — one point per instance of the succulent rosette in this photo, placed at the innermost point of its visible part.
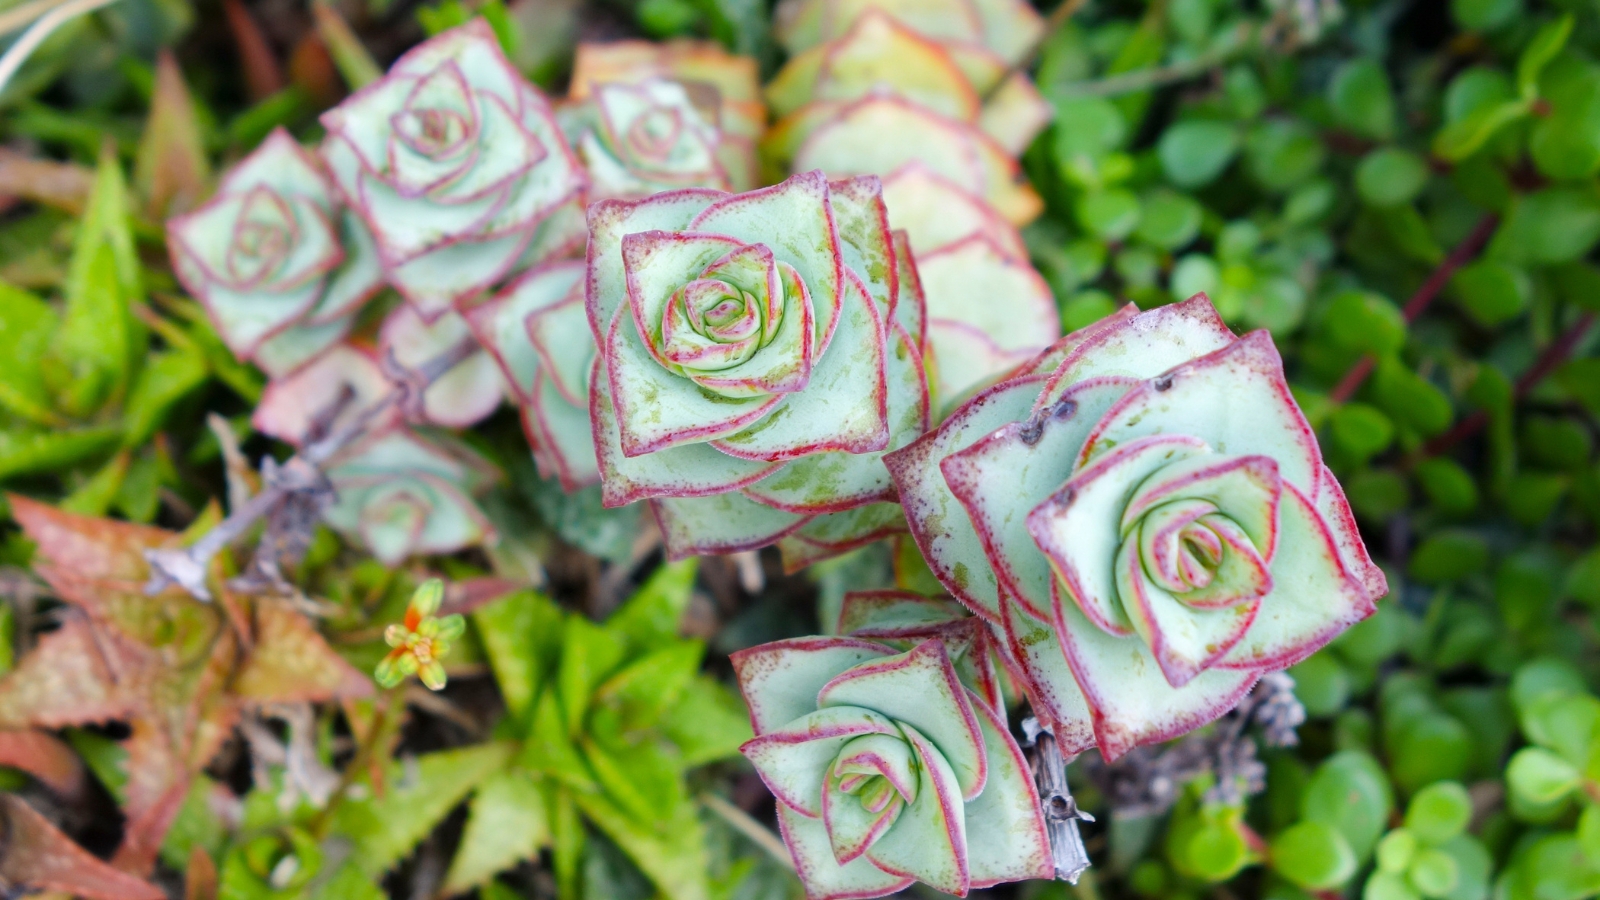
(401, 494)
(989, 310)
(537, 331)
(1144, 510)
(279, 264)
(641, 139)
(397, 490)
(455, 162)
(878, 53)
(734, 82)
(888, 769)
(759, 352)
(1006, 29)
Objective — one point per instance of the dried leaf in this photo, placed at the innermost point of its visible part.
(200, 876)
(37, 856)
(62, 185)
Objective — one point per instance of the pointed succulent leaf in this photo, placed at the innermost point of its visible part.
(465, 394)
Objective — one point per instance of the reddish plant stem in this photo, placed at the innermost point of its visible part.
(1419, 302)
(1553, 356)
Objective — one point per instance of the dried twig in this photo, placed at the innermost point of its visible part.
(299, 482)
(1061, 813)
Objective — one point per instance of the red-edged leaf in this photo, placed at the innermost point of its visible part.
(45, 758)
(37, 856)
(292, 663)
(72, 676)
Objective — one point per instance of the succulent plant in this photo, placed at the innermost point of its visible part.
(536, 330)
(701, 66)
(989, 310)
(758, 354)
(280, 265)
(1004, 29)
(888, 770)
(1146, 513)
(402, 494)
(639, 139)
(462, 396)
(456, 163)
(880, 53)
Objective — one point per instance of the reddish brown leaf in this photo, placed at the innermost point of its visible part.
(171, 170)
(263, 77)
(292, 663)
(143, 833)
(45, 758)
(466, 596)
(64, 186)
(73, 676)
(36, 855)
(311, 67)
(200, 877)
(86, 546)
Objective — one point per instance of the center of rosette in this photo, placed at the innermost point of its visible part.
(740, 326)
(438, 121)
(263, 236)
(653, 134)
(872, 780)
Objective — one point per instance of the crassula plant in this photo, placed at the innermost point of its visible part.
(888, 769)
(989, 310)
(458, 167)
(279, 263)
(396, 489)
(639, 139)
(758, 354)
(537, 331)
(1144, 511)
(960, 81)
(873, 85)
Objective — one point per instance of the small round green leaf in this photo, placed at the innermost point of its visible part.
(1390, 176)
(1170, 220)
(1313, 855)
(1538, 776)
(1362, 100)
(1194, 152)
(1110, 214)
(1439, 812)
(1396, 851)
(1360, 430)
(1491, 292)
(1448, 556)
(1433, 873)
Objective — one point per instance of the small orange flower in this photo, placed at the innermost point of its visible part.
(421, 642)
